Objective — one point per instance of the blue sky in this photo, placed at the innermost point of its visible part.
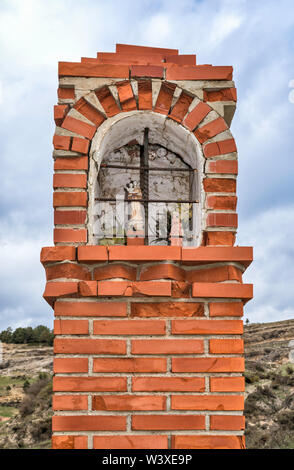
(257, 38)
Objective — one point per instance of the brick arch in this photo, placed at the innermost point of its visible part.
(78, 123)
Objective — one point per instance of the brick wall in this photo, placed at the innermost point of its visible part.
(148, 349)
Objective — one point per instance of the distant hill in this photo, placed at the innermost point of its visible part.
(26, 390)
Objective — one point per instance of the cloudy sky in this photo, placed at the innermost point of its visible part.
(257, 38)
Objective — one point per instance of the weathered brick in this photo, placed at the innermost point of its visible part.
(181, 107)
(57, 253)
(71, 163)
(70, 365)
(210, 130)
(227, 423)
(79, 127)
(130, 442)
(197, 115)
(207, 402)
(74, 217)
(70, 199)
(89, 384)
(227, 384)
(91, 309)
(217, 219)
(107, 101)
(203, 364)
(221, 147)
(208, 442)
(61, 142)
(209, 289)
(128, 288)
(162, 271)
(226, 346)
(136, 364)
(144, 94)
(126, 96)
(71, 327)
(69, 442)
(89, 111)
(89, 346)
(88, 423)
(168, 384)
(115, 271)
(67, 270)
(167, 422)
(129, 327)
(66, 235)
(164, 99)
(69, 402)
(207, 327)
(167, 309)
(226, 309)
(80, 145)
(128, 403)
(219, 185)
(167, 346)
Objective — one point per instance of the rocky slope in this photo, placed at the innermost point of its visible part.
(26, 390)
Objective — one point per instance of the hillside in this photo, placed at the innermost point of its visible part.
(26, 389)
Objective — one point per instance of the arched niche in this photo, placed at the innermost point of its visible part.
(123, 128)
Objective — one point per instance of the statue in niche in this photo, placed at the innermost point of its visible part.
(136, 222)
(176, 231)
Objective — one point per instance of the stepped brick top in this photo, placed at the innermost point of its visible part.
(138, 61)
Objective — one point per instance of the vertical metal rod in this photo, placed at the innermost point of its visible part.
(144, 177)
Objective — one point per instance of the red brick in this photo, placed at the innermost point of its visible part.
(221, 202)
(181, 290)
(87, 254)
(219, 185)
(208, 364)
(75, 217)
(64, 235)
(226, 346)
(129, 288)
(67, 93)
(63, 180)
(221, 147)
(200, 72)
(162, 271)
(207, 327)
(69, 442)
(89, 346)
(76, 69)
(60, 289)
(79, 127)
(128, 403)
(89, 384)
(220, 238)
(227, 384)
(167, 422)
(240, 254)
(129, 327)
(80, 145)
(130, 442)
(222, 220)
(144, 50)
(223, 166)
(226, 309)
(167, 309)
(61, 142)
(224, 94)
(60, 111)
(126, 96)
(181, 107)
(107, 101)
(57, 253)
(164, 99)
(214, 274)
(144, 94)
(167, 346)
(207, 402)
(227, 423)
(196, 115)
(69, 402)
(210, 130)
(168, 384)
(183, 59)
(71, 163)
(89, 111)
(153, 71)
(138, 364)
(208, 289)
(70, 365)
(115, 271)
(68, 271)
(144, 253)
(88, 423)
(88, 288)
(208, 442)
(70, 199)
(91, 309)
(71, 327)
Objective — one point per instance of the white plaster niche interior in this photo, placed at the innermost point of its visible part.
(145, 171)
